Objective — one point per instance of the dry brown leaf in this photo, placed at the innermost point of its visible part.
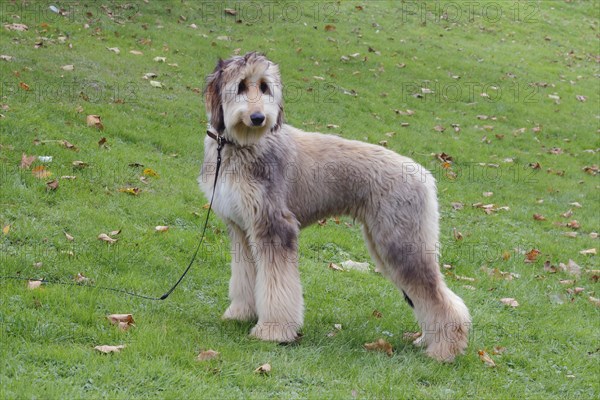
(104, 237)
(377, 314)
(532, 256)
(509, 301)
(116, 318)
(263, 369)
(95, 121)
(110, 349)
(26, 161)
(457, 234)
(230, 11)
(588, 251)
(594, 301)
(574, 224)
(567, 213)
(380, 345)
(207, 355)
(6, 229)
(114, 50)
(52, 185)
(161, 228)
(439, 128)
(498, 350)
(485, 357)
(335, 267)
(457, 205)
(136, 52)
(114, 233)
(34, 284)
(69, 237)
(539, 217)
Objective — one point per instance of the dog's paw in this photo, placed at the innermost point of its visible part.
(239, 313)
(286, 332)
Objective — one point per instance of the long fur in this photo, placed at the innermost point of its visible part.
(277, 179)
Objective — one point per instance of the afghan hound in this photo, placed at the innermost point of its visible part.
(276, 179)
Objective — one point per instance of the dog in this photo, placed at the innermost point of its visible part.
(276, 179)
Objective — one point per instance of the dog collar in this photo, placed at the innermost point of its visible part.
(221, 141)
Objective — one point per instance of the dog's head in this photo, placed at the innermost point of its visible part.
(244, 98)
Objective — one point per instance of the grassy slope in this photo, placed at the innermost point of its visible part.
(48, 334)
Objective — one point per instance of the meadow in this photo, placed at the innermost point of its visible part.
(102, 125)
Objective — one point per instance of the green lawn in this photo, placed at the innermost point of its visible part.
(510, 90)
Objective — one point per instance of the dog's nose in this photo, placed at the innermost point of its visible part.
(257, 118)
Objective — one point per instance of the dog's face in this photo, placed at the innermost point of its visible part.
(244, 98)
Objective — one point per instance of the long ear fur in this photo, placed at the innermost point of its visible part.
(212, 97)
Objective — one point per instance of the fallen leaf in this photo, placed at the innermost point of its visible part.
(532, 256)
(110, 349)
(573, 224)
(161, 228)
(104, 237)
(575, 204)
(588, 251)
(52, 185)
(207, 355)
(539, 217)
(457, 234)
(160, 59)
(156, 84)
(16, 27)
(34, 284)
(567, 213)
(498, 350)
(263, 369)
(509, 301)
(123, 321)
(485, 357)
(131, 190)
(594, 301)
(487, 194)
(79, 164)
(24, 86)
(457, 205)
(26, 161)
(335, 267)
(80, 278)
(114, 49)
(102, 142)
(41, 172)
(114, 233)
(329, 28)
(68, 67)
(150, 172)
(593, 170)
(5, 57)
(5, 229)
(439, 128)
(95, 121)
(68, 145)
(380, 345)
(136, 52)
(230, 11)
(377, 314)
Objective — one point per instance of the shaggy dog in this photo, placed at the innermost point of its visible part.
(276, 179)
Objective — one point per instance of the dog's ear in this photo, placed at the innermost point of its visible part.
(212, 97)
(280, 119)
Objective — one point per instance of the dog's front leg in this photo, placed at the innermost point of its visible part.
(278, 292)
(243, 276)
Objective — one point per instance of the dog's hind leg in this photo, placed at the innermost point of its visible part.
(404, 236)
(243, 277)
(278, 292)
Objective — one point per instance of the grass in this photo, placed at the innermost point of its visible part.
(519, 58)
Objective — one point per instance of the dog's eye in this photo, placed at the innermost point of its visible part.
(241, 87)
(264, 87)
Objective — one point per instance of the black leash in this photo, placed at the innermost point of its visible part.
(221, 142)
